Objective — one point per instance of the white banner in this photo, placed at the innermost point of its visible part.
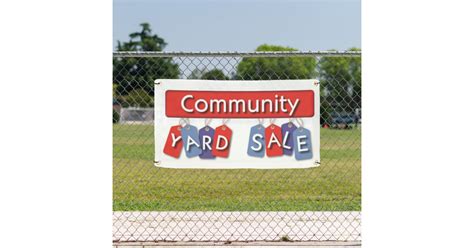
(237, 124)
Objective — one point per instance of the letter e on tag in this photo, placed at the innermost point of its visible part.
(273, 141)
(174, 142)
(302, 144)
(221, 142)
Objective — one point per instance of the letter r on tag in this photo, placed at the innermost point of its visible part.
(174, 142)
(206, 134)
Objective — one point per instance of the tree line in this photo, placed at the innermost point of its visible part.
(340, 76)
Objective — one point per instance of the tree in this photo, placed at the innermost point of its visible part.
(138, 98)
(196, 73)
(276, 68)
(341, 80)
(140, 73)
(214, 74)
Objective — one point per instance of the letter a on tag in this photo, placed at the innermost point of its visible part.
(221, 142)
(273, 141)
(256, 147)
(287, 133)
(302, 144)
(206, 135)
(192, 146)
(174, 142)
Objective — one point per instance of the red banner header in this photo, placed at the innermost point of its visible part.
(239, 104)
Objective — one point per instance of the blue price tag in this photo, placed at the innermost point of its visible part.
(191, 144)
(206, 134)
(287, 136)
(256, 147)
(302, 144)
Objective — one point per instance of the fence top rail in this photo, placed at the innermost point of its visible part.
(125, 54)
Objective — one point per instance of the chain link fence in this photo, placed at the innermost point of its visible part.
(158, 204)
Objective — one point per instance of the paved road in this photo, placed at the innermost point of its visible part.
(236, 226)
(317, 244)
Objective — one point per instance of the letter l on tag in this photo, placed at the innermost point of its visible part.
(287, 133)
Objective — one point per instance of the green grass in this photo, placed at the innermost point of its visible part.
(139, 185)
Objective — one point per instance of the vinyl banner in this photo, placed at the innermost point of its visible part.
(236, 124)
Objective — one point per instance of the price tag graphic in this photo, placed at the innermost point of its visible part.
(287, 133)
(256, 144)
(174, 142)
(302, 142)
(273, 141)
(206, 136)
(221, 142)
(192, 146)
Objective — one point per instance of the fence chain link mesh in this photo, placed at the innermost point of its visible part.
(158, 204)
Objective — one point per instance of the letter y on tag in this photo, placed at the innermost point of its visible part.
(174, 142)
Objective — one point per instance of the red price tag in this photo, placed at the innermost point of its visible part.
(174, 142)
(273, 141)
(221, 142)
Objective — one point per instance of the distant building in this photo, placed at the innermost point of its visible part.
(116, 105)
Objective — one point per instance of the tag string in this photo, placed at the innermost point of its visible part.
(225, 121)
(207, 122)
(300, 122)
(183, 121)
(261, 121)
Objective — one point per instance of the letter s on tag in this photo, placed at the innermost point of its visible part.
(273, 141)
(302, 144)
(192, 146)
(221, 142)
(174, 142)
(256, 145)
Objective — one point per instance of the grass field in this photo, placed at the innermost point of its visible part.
(139, 185)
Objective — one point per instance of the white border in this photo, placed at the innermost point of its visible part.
(240, 127)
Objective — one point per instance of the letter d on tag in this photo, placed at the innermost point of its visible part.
(302, 144)
(174, 142)
(191, 143)
(256, 147)
(221, 142)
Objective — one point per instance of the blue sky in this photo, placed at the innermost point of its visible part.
(231, 25)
